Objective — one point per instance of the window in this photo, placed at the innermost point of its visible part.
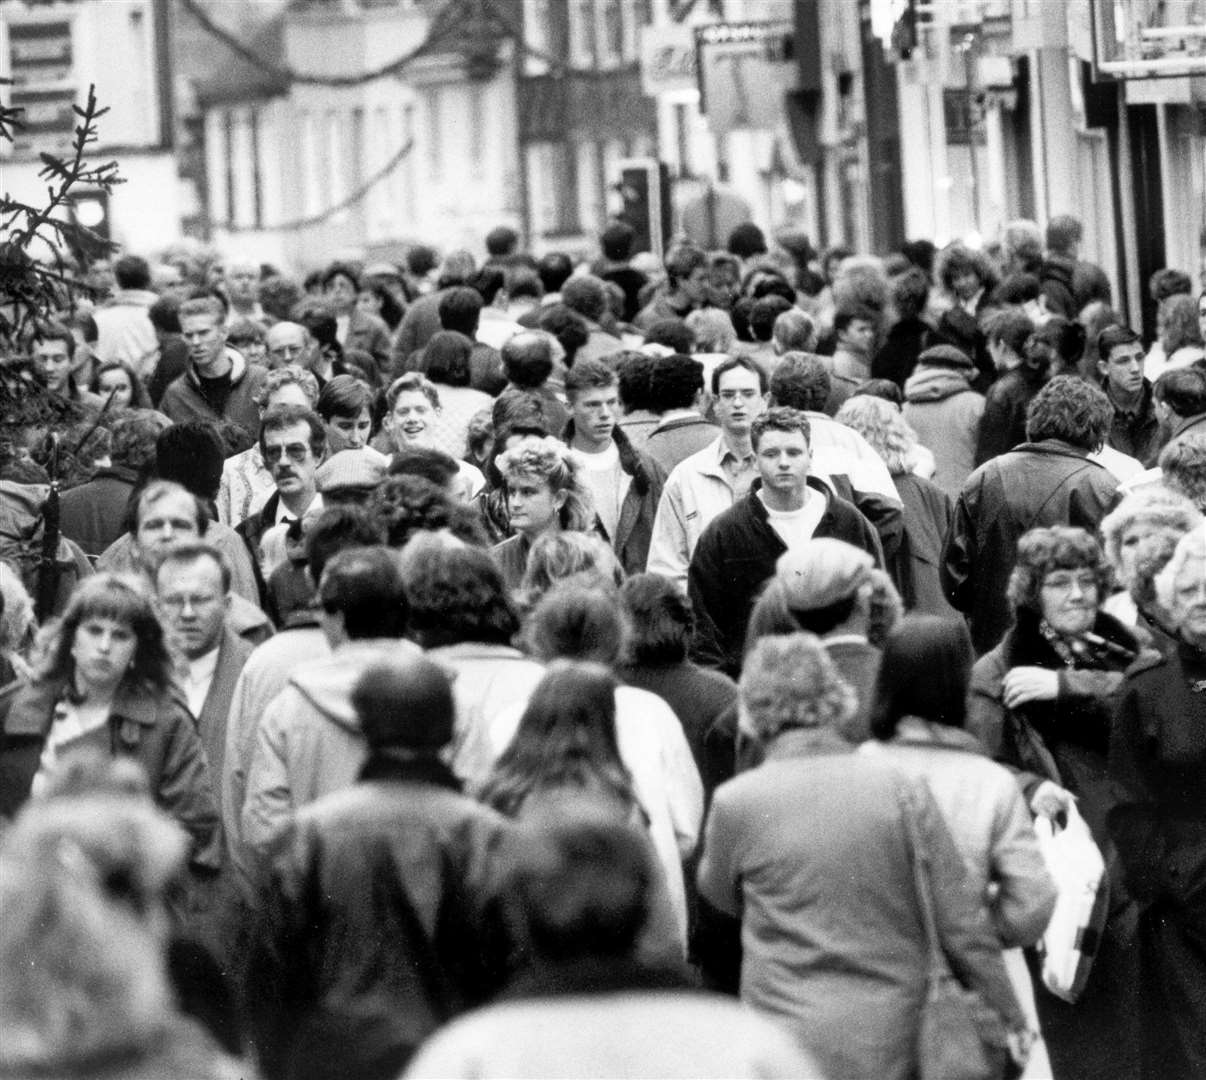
(611, 32)
(583, 35)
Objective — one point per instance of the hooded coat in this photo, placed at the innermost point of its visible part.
(309, 742)
(183, 400)
(945, 411)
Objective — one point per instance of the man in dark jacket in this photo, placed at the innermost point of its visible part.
(1135, 428)
(371, 934)
(1021, 377)
(625, 483)
(1048, 480)
(738, 550)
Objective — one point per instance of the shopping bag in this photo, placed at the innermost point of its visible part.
(1072, 937)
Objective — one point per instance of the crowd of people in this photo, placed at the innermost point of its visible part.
(549, 666)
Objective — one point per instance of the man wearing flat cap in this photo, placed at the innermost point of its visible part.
(785, 508)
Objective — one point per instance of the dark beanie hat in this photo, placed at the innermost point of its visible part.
(946, 356)
(192, 454)
(405, 704)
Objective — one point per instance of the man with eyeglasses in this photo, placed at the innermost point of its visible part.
(293, 443)
(192, 589)
(1135, 428)
(289, 343)
(704, 485)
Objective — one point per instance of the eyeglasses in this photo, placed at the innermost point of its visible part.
(1066, 581)
(177, 604)
(297, 452)
(733, 395)
(287, 350)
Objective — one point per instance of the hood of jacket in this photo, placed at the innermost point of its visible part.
(327, 684)
(937, 384)
(238, 368)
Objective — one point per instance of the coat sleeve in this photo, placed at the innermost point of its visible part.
(706, 589)
(268, 807)
(1026, 894)
(997, 425)
(987, 720)
(1133, 823)
(668, 553)
(968, 939)
(956, 571)
(684, 790)
(719, 874)
(186, 791)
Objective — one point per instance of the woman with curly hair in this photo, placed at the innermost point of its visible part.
(928, 510)
(104, 681)
(545, 493)
(1041, 702)
(967, 279)
(831, 922)
(1139, 537)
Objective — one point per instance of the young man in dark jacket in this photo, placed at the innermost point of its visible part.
(737, 552)
(371, 934)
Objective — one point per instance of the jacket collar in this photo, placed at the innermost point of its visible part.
(1197, 420)
(1053, 447)
(806, 743)
(914, 731)
(815, 482)
(238, 368)
(630, 458)
(408, 769)
(33, 708)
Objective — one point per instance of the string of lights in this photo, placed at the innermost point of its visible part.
(325, 215)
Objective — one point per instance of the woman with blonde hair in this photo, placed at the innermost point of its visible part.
(545, 494)
(103, 681)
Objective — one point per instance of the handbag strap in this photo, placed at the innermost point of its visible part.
(921, 882)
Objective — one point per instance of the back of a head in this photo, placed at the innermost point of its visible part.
(1183, 464)
(635, 370)
(191, 453)
(528, 360)
(674, 334)
(421, 260)
(746, 241)
(365, 586)
(616, 241)
(456, 269)
(1023, 242)
(910, 291)
(1071, 410)
(586, 295)
(764, 314)
(458, 595)
(660, 619)
(939, 647)
(501, 241)
(135, 438)
(580, 885)
(576, 622)
(460, 309)
(1064, 233)
(801, 381)
(425, 725)
(489, 281)
(165, 315)
(339, 528)
(1183, 390)
(132, 272)
(794, 331)
(675, 382)
(1012, 326)
(1167, 282)
(554, 269)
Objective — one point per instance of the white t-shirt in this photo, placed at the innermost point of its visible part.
(797, 526)
(198, 680)
(608, 483)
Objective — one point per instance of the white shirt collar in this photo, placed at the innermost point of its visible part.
(283, 513)
(203, 668)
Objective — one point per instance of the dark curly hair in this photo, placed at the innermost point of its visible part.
(458, 595)
(1059, 547)
(1072, 410)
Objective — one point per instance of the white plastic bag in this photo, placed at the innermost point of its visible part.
(1072, 937)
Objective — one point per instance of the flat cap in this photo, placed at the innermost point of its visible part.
(363, 468)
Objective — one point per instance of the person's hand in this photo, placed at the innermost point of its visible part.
(1052, 801)
(1024, 684)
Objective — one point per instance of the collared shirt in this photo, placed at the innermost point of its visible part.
(198, 680)
(739, 472)
(284, 514)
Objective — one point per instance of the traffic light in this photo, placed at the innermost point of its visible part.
(645, 190)
(88, 212)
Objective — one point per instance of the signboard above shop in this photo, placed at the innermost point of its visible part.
(744, 71)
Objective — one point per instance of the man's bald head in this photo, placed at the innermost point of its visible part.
(289, 343)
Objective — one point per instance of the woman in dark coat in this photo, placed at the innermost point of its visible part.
(1158, 760)
(1041, 702)
(105, 684)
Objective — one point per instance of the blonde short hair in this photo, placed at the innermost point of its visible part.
(789, 682)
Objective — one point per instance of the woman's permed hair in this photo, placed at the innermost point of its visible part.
(1060, 547)
(790, 682)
